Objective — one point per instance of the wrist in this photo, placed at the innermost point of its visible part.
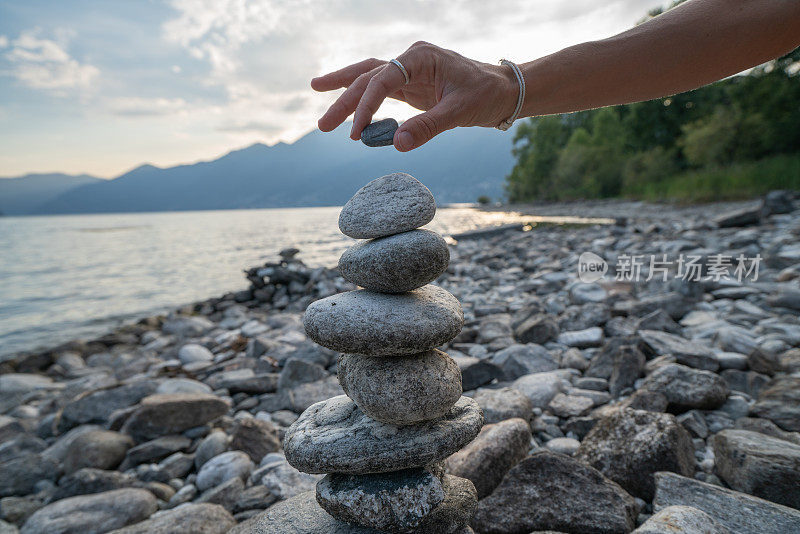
(508, 89)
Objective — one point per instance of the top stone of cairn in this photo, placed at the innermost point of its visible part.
(388, 205)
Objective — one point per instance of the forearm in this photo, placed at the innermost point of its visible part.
(696, 43)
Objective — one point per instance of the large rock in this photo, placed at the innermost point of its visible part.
(630, 446)
(299, 398)
(298, 515)
(100, 449)
(186, 519)
(92, 514)
(681, 520)
(393, 502)
(402, 390)
(759, 464)
(89, 480)
(281, 479)
(388, 205)
(685, 351)
(155, 450)
(628, 364)
(254, 437)
(296, 371)
(765, 426)
(192, 352)
(503, 403)
(221, 468)
(19, 475)
(396, 263)
(335, 436)
(686, 388)
(566, 406)
(780, 403)
(159, 415)
(475, 372)
(213, 444)
(536, 329)
(741, 217)
(549, 491)
(487, 458)
(539, 388)
(376, 324)
(588, 337)
(97, 407)
(738, 512)
(520, 360)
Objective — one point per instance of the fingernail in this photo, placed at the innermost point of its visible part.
(405, 141)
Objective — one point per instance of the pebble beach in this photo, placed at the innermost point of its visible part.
(648, 399)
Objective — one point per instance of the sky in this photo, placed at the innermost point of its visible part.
(102, 86)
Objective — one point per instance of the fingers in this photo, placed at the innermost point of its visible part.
(346, 103)
(387, 81)
(344, 77)
(421, 128)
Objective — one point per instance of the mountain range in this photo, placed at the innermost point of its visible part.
(26, 194)
(319, 169)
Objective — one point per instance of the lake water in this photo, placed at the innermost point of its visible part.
(77, 276)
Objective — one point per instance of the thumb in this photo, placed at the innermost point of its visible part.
(421, 128)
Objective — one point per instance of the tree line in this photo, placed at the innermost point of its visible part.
(731, 139)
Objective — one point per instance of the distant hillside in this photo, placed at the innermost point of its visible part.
(27, 193)
(319, 169)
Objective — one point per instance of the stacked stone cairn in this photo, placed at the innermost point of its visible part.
(381, 446)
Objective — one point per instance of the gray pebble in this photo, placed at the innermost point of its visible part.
(375, 324)
(392, 502)
(402, 390)
(396, 263)
(335, 436)
(388, 205)
(379, 133)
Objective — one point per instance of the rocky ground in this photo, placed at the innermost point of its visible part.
(610, 407)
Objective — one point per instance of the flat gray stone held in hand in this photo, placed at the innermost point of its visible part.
(389, 205)
(396, 263)
(375, 324)
(335, 436)
(402, 390)
(379, 133)
(393, 502)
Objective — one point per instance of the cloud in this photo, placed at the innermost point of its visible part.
(146, 107)
(263, 127)
(263, 53)
(41, 63)
(3, 41)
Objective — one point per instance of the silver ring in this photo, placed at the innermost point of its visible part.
(402, 69)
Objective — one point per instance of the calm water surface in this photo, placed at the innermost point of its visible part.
(71, 276)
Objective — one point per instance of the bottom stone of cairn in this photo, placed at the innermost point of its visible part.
(413, 500)
(303, 515)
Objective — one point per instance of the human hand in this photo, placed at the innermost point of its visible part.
(452, 90)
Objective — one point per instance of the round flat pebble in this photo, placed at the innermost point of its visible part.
(379, 133)
(396, 263)
(402, 390)
(388, 205)
(335, 436)
(392, 502)
(377, 324)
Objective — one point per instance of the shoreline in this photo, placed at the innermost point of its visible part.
(123, 268)
(531, 215)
